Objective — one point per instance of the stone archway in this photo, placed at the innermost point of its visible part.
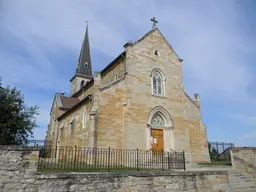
(160, 119)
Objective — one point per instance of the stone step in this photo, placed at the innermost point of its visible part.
(237, 174)
(236, 180)
(241, 179)
(241, 185)
(243, 190)
(241, 182)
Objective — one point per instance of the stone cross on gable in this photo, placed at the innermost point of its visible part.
(154, 22)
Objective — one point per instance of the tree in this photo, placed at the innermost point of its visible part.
(16, 119)
(213, 152)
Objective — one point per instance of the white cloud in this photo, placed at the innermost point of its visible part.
(208, 42)
(207, 35)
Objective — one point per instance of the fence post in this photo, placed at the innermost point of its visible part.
(184, 161)
(162, 160)
(168, 161)
(108, 158)
(137, 159)
(75, 159)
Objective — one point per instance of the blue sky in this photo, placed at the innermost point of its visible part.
(40, 43)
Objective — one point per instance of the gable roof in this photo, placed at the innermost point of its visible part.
(68, 102)
(64, 102)
(75, 106)
(151, 31)
(123, 54)
(57, 100)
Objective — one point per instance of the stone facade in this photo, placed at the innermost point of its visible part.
(115, 73)
(122, 105)
(18, 173)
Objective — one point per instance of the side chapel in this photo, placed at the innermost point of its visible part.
(136, 101)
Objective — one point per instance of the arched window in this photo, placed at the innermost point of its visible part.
(82, 84)
(157, 83)
(157, 120)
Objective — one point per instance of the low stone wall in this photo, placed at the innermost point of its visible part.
(244, 159)
(18, 172)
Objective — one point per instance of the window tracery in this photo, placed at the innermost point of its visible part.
(157, 120)
(157, 83)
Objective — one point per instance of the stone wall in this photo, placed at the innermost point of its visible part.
(17, 169)
(110, 131)
(116, 72)
(82, 127)
(18, 173)
(244, 159)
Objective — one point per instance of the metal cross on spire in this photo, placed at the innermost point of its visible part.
(154, 22)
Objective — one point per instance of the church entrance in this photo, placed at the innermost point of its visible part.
(158, 141)
(160, 131)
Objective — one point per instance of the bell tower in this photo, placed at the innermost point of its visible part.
(84, 67)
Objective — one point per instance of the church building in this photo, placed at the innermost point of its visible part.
(136, 101)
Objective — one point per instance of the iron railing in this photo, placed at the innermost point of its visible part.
(220, 151)
(77, 159)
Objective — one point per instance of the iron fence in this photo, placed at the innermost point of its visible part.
(220, 151)
(76, 159)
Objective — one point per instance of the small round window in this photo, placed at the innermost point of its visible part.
(156, 53)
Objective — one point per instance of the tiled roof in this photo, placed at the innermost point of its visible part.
(68, 102)
(74, 106)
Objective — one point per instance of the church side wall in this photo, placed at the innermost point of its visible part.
(53, 125)
(115, 73)
(197, 134)
(110, 117)
(140, 63)
(78, 136)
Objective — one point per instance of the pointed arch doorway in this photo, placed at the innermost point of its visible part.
(160, 136)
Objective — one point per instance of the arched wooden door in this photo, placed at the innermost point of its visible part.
(158, 141)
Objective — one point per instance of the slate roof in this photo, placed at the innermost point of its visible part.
(84, 65)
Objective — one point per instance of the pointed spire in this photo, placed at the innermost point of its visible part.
(84, 66)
